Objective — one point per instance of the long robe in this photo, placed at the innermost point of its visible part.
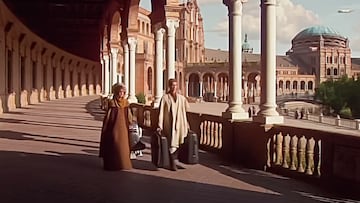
(114, 142)
(173, 120)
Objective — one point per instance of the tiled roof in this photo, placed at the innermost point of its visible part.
(217, 55)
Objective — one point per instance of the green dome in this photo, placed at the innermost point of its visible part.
(317, 31)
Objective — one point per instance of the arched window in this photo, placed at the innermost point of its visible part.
(310, 85)
(287, 84)
(302, 85)
(149, 79)
(295, 84)
(328, 71)
(335, 71)
(143, 27)
(281, 84)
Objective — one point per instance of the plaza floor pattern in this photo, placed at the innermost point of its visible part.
(48, 153)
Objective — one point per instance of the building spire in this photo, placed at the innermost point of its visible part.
(246, 46)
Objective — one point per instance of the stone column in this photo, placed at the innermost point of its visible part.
(235, 110)
(215, 90)
(3, 75)
(171, 25)
(102, 61)
(40, 78)
(268, 113)
(67, 87)
(284, 87)
(132, 47)
(107, 87)
(126, 66)
(186, 88)
(159, 37)
(50, 74)
(201, 89)
(258, 88)
(16, 75)
(26, 80)
(114, 63)
(246, 91)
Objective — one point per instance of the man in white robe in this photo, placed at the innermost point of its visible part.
(172, 118)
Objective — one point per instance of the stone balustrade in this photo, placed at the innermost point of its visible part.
(329, 157)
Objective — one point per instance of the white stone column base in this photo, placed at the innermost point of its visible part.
(235, 115)
(52, 95)
(68, 93)
(34, 97)
(43, 95)
(24, 98)
(11, 104)
(268, 119)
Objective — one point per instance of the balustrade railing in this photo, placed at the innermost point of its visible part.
(294, 149)
(283, 149)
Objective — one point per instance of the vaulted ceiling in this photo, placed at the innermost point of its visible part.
(69, 24)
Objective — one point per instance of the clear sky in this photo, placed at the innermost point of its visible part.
(292, 17)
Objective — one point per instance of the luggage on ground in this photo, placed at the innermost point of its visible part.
(189, 150)
(160, 151)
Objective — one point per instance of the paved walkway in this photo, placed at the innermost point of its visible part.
(48, 153)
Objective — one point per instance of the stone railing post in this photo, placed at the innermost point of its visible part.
(337, 120)
(307, 114)
(321, 117)
(357, 124)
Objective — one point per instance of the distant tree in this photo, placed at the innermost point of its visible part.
(354, 98)
(341, 95)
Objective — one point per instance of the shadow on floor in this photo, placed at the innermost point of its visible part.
(283, 185)
(63, 177)
(93, 107)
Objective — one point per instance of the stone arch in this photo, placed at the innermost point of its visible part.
(115, 27)
(302, 85)
(130, 17)
(187, 77)
(310, 85)
(194, 85)
(208, 85)
(287, 85)
(281, 84)
(222, 86)
(295, 85)
(251, 77)
(104, 39)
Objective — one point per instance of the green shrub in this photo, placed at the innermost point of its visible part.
(141, 98)
(346, 112)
